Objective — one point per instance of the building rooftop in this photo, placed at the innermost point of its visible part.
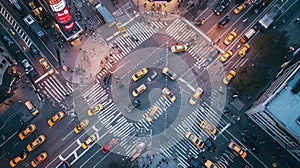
(285, 107)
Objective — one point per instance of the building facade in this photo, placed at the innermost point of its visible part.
(277, 111)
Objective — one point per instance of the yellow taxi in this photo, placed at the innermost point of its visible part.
(81, 126)
(18, 159)
(27, 131)
(179, 48)
(122, 30)
(169, 73)
(208, 127)
(89, 141)
(168, 94)
(196, 96)
(210, 164)
(36, 143)
(56, 118)
(95, 109)
(229, 77)
(239, 9)
(39, 159)
(152, 112)
(229, 39)
(45, 64)
(244, 50)
(226, 55)
(139, 90)
(235, 147)
(139, 74)
(194, 139)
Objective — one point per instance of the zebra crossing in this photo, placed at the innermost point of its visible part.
(183, 147)
(162, 103)
(141, 31)
(53, 89)
(16, 26)
(115, 123)
(182, 32)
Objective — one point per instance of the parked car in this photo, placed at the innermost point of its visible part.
(139, 74)
(225, 56)
(229, 77)
(239, 9)
(97, 108)
(196, 96)
(56, 118)
(194, 139)
(27, 131)
(7, 39)
(39, 159)
(169, 73)
(109, 145)
(18, 159)
(89, 141)
(45, 64)
(179, 48)
(229, 39)
(210, 164)
(27, 66)
(235, 147)
(224, 21)
(34, 50)
(168, 94)
(122, 30)
(36, 143)
(106, 80)
(82, 125)
(140, 89)
(133, 105)
(244, 50)
(221, 7)
(208, 127)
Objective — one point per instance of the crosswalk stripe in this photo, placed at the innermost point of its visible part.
(138, 34)
(54, 84)
(54, 89)
(170, 27)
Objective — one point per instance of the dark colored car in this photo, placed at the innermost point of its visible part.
(210, 145)
(34, 50)
(106, 80)
(224, 21)
(33, 74)
(7, 39)
(134, 105)
(222, 5)
(194, 163)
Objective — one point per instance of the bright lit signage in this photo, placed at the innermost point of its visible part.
(69, 26)
(58, 6)
(64, 15)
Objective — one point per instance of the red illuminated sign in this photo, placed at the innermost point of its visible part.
(69, 26)
(63, 16)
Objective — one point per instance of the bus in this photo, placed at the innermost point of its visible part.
(106, 16)
(247, 35)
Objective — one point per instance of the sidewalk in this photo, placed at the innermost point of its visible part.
(153, 158)
(86, 63)
(158, 11)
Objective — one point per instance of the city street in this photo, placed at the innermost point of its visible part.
(99, 69)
